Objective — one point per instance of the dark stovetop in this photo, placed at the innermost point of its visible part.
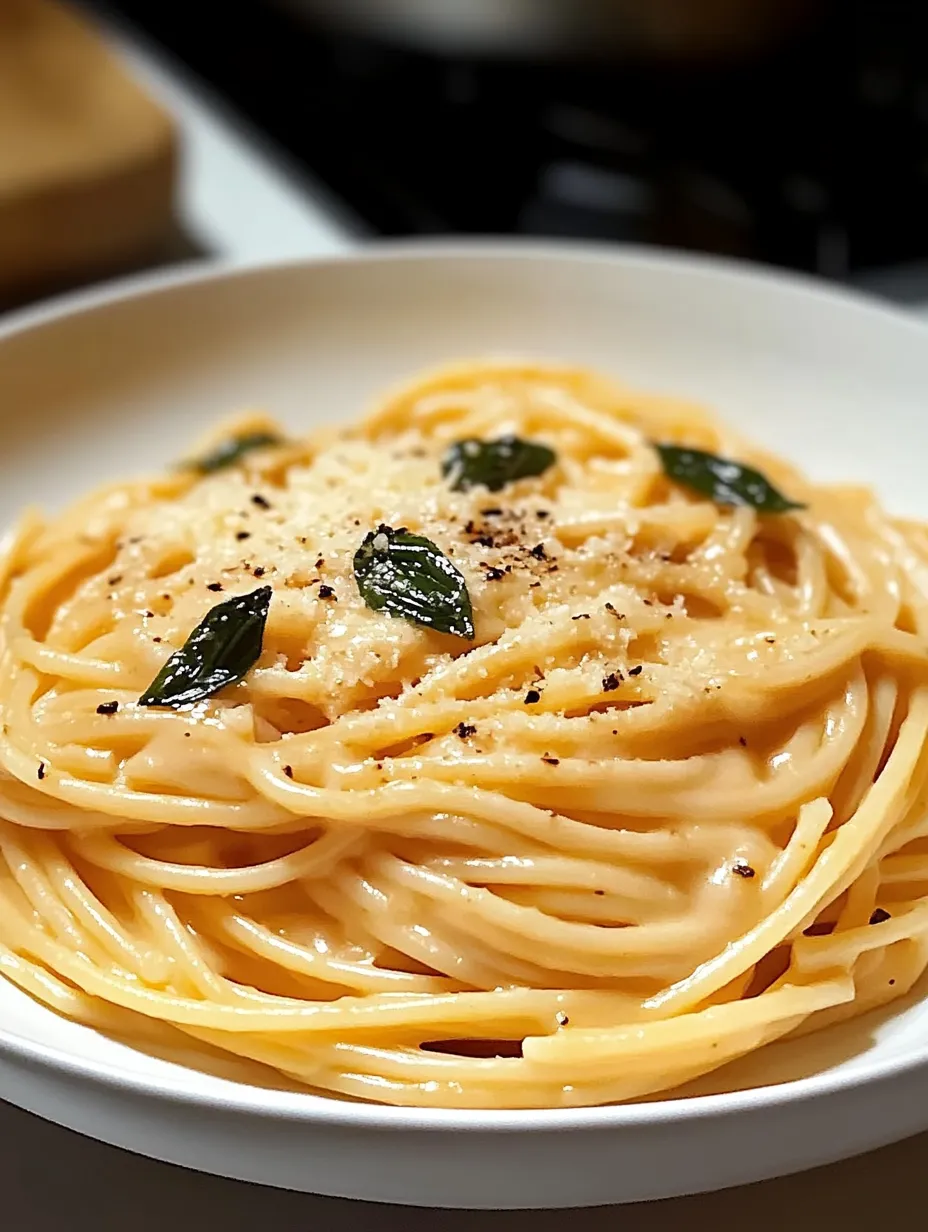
(816, 158)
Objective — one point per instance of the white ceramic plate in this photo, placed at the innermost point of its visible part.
(100, 386)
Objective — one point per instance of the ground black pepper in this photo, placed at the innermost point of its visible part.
(107, 707)
(636, 671)
(532, 696)
(259, 571)
(242, 535)
(538, 551)
(261, 501)
(741, 869)
(562, 1019)
(611, 682)
(326, 592)
(215, 586)
(880, 916)
(41, 771)
(551, 761)
(114, 580)
(288, 771)
(465, 730)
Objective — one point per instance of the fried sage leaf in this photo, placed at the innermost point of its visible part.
(223, 647)
(408, 576)
(231, 452)
(725, 482)
(494, 463)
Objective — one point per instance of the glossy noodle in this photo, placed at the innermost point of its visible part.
(655, 800)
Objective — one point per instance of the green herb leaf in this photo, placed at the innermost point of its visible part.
(494, 463)
(725, 482)
(223, 647)
(408, 576)
(231, 452)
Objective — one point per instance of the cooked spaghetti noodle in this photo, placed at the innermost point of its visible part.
(665, 806)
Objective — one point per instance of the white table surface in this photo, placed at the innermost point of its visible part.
(239, 200)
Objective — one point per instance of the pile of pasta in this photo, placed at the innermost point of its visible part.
(665, 805)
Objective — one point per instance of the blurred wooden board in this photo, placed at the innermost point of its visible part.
(86, 158)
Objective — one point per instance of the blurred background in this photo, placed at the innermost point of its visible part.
(789, 132)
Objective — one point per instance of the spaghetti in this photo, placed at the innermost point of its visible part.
(637, 788)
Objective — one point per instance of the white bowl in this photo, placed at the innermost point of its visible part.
(112, 383)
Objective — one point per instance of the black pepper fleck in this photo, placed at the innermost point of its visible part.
(107, 707)
(491, 513)
(320, 563)
(114, 580)
(156, 639)
(582, 616)
(288, 771)
(636, 671)
(742, 740)
(542, 513)
(215, 586)
(551, 761)
(538, 551)
(880, 916)
(493, 574)
(261, 501)
(532, 696)
(41, 771)
(465, 730)
(562, 1019)
(242, 535)
(743, 870)
(259, 571)
(611, 682)
(326, 592)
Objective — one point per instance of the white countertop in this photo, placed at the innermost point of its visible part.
(238, 200)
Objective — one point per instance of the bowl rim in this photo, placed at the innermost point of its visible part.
(306, 1107)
